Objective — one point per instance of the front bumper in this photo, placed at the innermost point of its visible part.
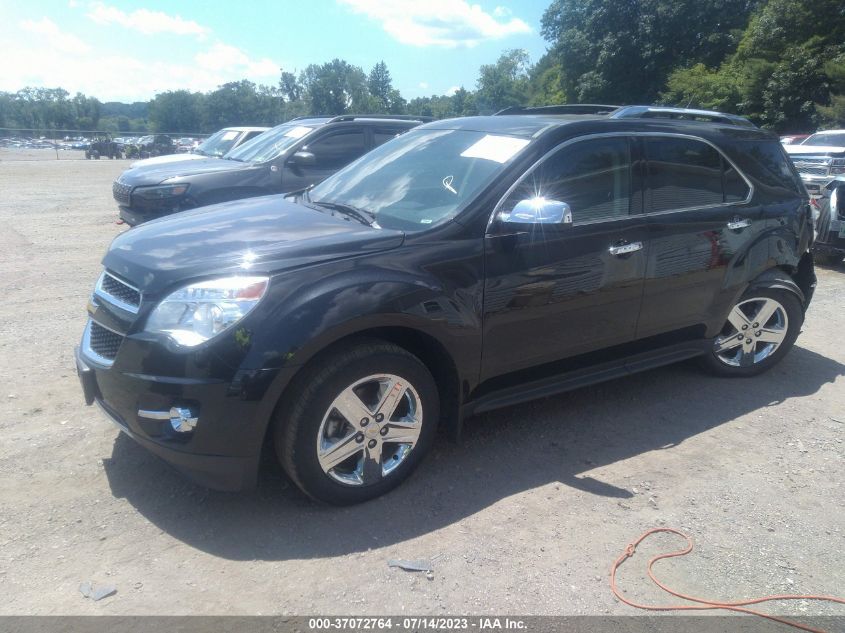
(133, 216)
(222, 452)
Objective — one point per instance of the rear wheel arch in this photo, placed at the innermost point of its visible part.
(780, 279)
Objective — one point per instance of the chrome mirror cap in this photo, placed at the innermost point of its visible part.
(539, 211)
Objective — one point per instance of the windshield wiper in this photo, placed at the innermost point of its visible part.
(364, 217)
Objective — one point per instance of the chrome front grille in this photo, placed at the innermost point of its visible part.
(121, 192)
(118, 292)
(811, 170)
(100, 343)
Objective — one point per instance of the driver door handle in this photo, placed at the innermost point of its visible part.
(624, 249)
(738, 223)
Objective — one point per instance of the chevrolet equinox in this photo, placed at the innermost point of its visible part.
(465, 265)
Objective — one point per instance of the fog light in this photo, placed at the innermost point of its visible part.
(182, 420)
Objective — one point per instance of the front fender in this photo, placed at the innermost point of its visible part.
(432, 291)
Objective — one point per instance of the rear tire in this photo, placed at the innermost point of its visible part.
(760, 331)
(390, 410)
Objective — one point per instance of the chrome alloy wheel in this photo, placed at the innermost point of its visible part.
(369, 429)
(755, 329)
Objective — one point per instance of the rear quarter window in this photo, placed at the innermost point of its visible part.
(767, 162)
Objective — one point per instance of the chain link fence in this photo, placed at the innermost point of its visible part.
(41, 144)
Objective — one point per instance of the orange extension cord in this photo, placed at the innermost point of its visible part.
(703, 604)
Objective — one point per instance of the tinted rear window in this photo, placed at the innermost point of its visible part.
(769, 163)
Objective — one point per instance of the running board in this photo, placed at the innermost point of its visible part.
(588, 376)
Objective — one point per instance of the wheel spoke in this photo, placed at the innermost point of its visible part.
(392, 396)
(402, 432)
(371, 468)
(738, 319)
(770, 335)
(727, 342)
(350, 406)
(338, 452)
(765, 312)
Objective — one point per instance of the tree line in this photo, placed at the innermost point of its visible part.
(779, 62)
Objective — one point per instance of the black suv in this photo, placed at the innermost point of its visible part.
(468, 264)
(289, 157)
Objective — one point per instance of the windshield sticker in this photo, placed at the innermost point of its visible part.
(495, 148)
(298, 132)
(228, 136)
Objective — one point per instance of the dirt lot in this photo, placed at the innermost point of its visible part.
(525, 517)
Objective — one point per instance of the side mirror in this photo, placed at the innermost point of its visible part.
(539, 211)
(837, 201)
(303, 159)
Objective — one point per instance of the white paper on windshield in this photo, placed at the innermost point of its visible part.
(298, 132)
(228, 136)
(496, 148)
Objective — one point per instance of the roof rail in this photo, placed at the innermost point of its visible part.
(568, 108)
(311, 116)
(389, 117)
(686, 114)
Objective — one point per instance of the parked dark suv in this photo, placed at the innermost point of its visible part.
(466, 265)
(291, 156)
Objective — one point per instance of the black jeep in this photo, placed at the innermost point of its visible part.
(291, 156)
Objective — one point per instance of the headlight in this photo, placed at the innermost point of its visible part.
(160, 192)
(201, 311)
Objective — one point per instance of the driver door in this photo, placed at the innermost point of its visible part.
(558, 289)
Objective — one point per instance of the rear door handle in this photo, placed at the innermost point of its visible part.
(739, 223)
(624, 249)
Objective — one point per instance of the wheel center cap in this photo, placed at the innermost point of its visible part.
(371, 431)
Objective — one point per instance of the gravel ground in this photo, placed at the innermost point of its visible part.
(524, 517)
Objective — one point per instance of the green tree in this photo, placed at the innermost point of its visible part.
(176, 111)
(380, 87)
(623, 51)
(336, 87)
(504, 83)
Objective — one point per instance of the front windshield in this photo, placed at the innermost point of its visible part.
(420, 178)
(836, 139)
(269, 145)
(218, 143)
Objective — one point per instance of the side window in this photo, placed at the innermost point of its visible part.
(383, 134)
(592, 177)
(338, 149)
(685, 173)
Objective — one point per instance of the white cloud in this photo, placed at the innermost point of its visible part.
(445, 23)
(423, 85)
(90, 70)
(502, 12)
(224, 57)
(452, 90)
(52, 34)
(146, 21)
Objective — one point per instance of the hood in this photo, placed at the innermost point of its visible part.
(159, 172)
(257, 235)
(814, 150)
(169, 158)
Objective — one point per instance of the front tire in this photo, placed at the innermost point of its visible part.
(359, 421)
(760, 330)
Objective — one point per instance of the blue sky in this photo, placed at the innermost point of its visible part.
(126, 51)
